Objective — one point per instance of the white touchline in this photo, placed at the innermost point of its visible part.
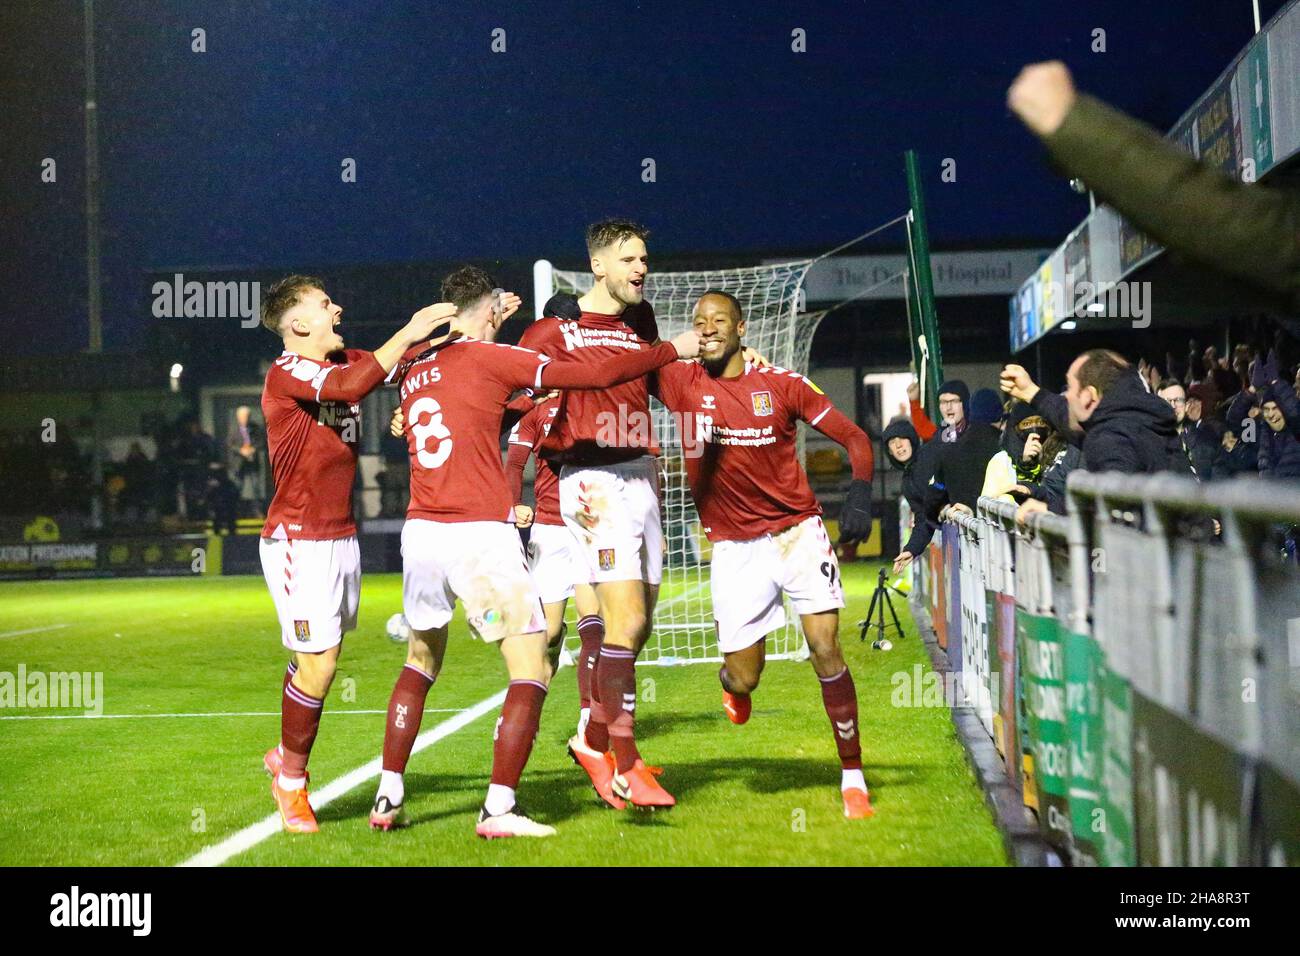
(34, 630)
(269, 826)
(245, 713)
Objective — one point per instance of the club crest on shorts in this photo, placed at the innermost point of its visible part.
(762, 402)
(301, 630)
(606, 558)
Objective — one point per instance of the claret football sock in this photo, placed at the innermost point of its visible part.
(516, 729)
(405, 711)
(299, 721)
(596, 731)
(617, 676)
(591, 629)
(841, 701)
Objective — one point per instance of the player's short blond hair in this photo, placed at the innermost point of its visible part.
(283, 296)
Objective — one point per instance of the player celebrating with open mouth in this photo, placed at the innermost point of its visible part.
(757, 508)
(604, 446)
(309, 546)
(459, 540)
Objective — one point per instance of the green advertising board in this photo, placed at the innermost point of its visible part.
(1083, 696)
(1117, 845)
(1042, 668)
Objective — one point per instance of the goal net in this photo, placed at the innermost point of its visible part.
(775, 327)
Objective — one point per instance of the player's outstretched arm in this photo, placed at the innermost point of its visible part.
(620, 368)
(855, 516)
(421, 327)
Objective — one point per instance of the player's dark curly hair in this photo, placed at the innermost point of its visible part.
(466, 286)
(607, 232)
(283, 296)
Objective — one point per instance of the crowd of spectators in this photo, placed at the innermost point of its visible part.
(1209, 418)
(189, 476)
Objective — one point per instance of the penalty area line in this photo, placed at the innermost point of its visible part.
(269, 826)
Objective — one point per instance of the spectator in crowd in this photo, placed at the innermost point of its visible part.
(222, 499)
(1020, 466)
(137, 472)
(1203, 430)
(1278, 438)
(245, 455)
(1118, 424)
(905, 451)
(1188, 206)
(960, 467)
(954, 401)
(1238, 457)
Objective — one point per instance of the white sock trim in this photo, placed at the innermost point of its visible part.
(500, 799)
(852, 780)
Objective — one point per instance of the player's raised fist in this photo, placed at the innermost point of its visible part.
(1042, 96)
(562, 306)
(428, 320)
(1015, 381)
(397, 423)
(687, 344)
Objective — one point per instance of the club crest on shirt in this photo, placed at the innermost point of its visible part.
(301, 630)
(708, 403)
(762, 402)
(606, 556)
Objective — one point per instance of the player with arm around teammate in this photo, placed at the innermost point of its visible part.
(309, 552)
(460, 540)
(757, 508)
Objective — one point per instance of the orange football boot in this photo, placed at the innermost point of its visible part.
(857, 804)
(599, 767)
(295, 811)
(737, 706)
(640, 789)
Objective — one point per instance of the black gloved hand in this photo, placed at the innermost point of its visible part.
(562, 305)
(855, 515)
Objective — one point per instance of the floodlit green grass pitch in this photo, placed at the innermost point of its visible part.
(197, 664)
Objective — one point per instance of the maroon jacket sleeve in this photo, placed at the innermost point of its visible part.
(516, 460)
(569, 373)
(835, 425)
(309, 380)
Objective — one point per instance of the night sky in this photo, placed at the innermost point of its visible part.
(231, 158)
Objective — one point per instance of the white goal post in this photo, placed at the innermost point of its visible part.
(771, 296)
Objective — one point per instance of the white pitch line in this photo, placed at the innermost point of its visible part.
(269, 826)
(35, 630)
(247, 713)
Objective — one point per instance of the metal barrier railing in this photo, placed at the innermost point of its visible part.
(1140, 679)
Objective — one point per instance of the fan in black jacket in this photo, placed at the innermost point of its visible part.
(904, 449)
(959, 472)
(1119, 424)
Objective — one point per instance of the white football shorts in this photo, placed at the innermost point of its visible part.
(316, 587)
(749, 578)
(480, 562)
(613, 514)
(553, 560)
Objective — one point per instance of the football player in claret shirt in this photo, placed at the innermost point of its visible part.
(739, 427)
(460, 541)
(552, 552)
(309, 546)
(603, 445)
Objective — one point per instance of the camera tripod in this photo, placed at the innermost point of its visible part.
(879, 601)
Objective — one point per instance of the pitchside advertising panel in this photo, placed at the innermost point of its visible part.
(44, 546)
